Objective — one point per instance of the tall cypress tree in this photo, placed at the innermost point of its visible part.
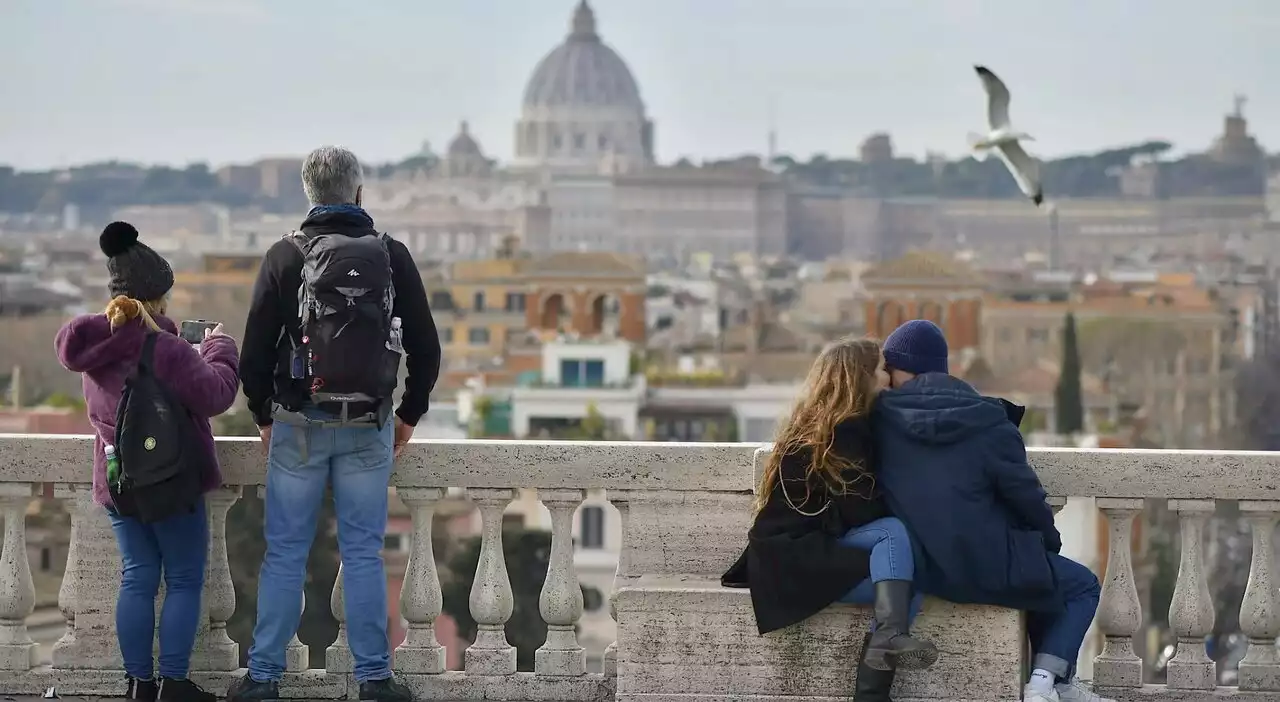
(1068, 396)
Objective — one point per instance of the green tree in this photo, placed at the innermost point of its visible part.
(238, 423)
(480, 413)
(527, 552)
(1068, 396)
(594, 427)
(64, 401)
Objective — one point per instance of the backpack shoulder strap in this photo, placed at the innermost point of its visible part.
(147, 361)
(299, 239)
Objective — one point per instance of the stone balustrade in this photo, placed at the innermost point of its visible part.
(685, 509)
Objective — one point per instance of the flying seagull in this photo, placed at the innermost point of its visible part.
(1004, 139)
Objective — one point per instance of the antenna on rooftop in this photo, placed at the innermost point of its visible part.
(773, 132)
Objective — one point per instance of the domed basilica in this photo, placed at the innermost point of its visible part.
(582, 109)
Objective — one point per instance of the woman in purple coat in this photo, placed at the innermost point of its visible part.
(105, 349)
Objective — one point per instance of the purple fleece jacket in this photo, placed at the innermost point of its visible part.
(205, 380)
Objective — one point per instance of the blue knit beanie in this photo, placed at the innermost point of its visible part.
(917, 346)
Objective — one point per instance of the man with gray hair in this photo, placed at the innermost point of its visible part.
(335, 305)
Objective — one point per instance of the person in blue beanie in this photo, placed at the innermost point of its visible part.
(953, 468)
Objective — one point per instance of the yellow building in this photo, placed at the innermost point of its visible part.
(220, 291)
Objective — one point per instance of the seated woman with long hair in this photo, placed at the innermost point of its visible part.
(822, 533)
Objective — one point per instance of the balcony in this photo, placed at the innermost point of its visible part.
(685, 509)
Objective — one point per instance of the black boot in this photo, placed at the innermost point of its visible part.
(183, 690)
(871, 685)
(247, 689)
(386, 690)
(144, 690)
(891, 645)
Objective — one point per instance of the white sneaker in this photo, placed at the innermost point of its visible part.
(1075, 691)
(1030, 695)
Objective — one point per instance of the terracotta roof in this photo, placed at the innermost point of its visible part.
(1039, 379)
(923, 265)
(585, 262)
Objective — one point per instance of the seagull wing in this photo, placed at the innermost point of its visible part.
(1025, 170)
(997, 98)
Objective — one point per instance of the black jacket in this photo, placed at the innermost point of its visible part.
(264, 365)
(795, 564)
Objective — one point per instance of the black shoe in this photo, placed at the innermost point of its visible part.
(182, 690)
(387, 690)
(247, 689)
(891, 645)
(871, 685)
(141, 690)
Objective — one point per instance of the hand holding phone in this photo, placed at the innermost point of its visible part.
(194, 331)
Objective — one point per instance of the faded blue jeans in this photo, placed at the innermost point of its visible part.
(891, 559)
(1056, 638)
(358, 462)
(178, 548)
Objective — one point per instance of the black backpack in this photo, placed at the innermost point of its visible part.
(160, 461)
(348, 354)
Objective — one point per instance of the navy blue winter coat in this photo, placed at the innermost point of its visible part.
(954, 469)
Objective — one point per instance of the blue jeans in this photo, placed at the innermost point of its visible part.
(358, 461)
(891, 559)
(1056, 638)
(178, 547)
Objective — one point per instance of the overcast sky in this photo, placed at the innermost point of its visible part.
(222, 81)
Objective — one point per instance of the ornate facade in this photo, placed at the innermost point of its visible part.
(925, 285)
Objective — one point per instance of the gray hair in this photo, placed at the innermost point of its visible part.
(331, 175)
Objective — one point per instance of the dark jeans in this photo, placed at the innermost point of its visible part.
(178, 548)
(891, 559)
(1056, 638)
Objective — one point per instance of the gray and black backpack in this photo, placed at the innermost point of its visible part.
(348, 351)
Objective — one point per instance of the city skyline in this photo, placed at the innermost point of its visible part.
(178, 81)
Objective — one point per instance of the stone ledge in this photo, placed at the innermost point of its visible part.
(1160, 693)
(307, 685)
(520, 687)
(321, 685)
(683, 639)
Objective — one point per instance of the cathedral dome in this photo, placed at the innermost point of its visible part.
(582, 107)
(583, 71)
(464, 144)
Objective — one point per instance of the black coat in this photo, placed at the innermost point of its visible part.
(795, 564)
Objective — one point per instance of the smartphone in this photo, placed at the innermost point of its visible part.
(192, 330)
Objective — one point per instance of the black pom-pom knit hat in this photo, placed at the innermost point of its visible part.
(136, 270)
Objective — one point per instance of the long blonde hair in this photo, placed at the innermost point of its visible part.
(123, 309)
(841, 385)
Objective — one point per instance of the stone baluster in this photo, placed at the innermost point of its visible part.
(1260, 611)
(620, 499)
(420, 599)
(216, 651)
(491, 600)
(17, 592)
(1120, 611)
(76, 499)
(561, 599)
(1191, 611)
(297, 655)
(338, 658)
